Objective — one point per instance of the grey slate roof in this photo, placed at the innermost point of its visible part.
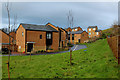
(97, 30)
(38, 27)
(92, 26)
(75, 32)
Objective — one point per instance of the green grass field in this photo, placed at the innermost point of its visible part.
(96, 62)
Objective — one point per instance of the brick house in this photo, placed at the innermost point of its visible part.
(77, 35)
(73, 29)
(30, 37)
(76, 29)
(5, 40)
(62, 35)
(93, 32)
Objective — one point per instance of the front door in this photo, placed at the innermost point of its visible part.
(62, 43)
(29, 47)
(79, 40)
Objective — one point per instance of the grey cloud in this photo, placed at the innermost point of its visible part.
(102, 14)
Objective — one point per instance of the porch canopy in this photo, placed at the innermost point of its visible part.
(30, 42)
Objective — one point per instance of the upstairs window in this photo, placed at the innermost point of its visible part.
(40, 36)
(48, 35)
(76, 29)
(97, 33)
(89, 29)
(89, 33)
(22, 34)
(93, 28)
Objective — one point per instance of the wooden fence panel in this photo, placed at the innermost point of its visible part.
(113, 43)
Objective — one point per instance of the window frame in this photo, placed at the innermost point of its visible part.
(97, 33)
(89, 29)
(94, 29)
(89, 33)
(22, 33)
(41, 36)
(72, 36)
(49, 36)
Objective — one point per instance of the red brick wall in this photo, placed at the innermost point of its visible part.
(55, 41)
(84, 37)
(34, 36)
(20, 40)
(5, 37)
(13, 34)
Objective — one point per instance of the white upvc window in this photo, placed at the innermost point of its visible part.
(93, 28)
(89, 29)
(19, 47)
(48, 35)
(22, 34)
(97, 33)
(89, 33)
(76, 29)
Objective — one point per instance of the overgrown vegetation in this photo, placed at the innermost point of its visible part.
(96, 61)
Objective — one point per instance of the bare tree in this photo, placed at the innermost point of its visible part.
(8, 13)
(13, 27)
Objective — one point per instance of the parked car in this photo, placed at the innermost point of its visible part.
(5, 50)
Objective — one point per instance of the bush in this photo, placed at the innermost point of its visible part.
(103, 36)
(42, 51)
(38, 51)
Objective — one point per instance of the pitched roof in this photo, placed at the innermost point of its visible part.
(97, 30)
(92, 26)
(75, 32)
(75, 27)
(38, 27)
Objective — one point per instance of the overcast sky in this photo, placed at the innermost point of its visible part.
(101, 14)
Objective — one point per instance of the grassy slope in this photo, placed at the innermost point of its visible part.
(97, 61)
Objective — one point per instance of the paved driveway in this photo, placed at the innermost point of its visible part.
(75, 47)
(78, 47)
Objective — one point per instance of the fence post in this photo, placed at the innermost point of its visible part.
(30, 56)
(8, 69)
(70, 57)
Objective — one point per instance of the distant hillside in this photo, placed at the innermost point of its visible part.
(107, 31)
